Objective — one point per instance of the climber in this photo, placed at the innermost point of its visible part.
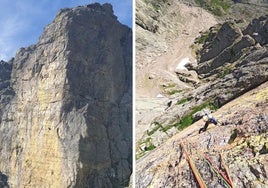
(168, 105)
(208, 119)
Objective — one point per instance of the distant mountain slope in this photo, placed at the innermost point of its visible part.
(158, 53)
(225, 61)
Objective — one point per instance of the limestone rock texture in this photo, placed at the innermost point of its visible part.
(194, 61)
(238, 147)
(164, 32)
(66, 104)
(232, 61)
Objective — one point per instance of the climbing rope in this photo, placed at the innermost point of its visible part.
(226, 180)
(226, 170)
(194, 169)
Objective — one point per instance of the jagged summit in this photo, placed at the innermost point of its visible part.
(65, 16)
(105, 9)
(66, 120)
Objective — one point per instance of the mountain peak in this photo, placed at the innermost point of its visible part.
(66, 104)
(96, 8)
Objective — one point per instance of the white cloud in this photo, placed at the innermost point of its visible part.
(22, 22)
(8, 43)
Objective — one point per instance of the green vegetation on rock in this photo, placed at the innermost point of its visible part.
(202, 38)
(171, 89)
(169, 86)
(158, 126)
(172, 92)
(166, 128)
(217, 7)
(226, 70)
(182, 101)
(148, 146)
(188, 119)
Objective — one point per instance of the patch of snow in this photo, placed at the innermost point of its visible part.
(183, 62)
(159, 96)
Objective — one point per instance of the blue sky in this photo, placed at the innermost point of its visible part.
(23, 21)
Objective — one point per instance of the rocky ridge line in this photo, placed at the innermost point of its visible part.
(232, 62)
(66, 120)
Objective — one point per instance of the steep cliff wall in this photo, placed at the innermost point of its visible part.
(68, 123)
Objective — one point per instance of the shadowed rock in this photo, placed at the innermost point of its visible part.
(68, 122)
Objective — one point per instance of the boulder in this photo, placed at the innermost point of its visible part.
(224, 38)
(258, 30)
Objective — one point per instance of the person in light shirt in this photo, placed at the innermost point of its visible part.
(208, 120)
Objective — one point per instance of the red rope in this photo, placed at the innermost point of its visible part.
(194, 169)
(227, 179)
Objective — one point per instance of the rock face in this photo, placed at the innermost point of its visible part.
(160, 51)
(239, 146)
(66, 104)
(3, 181)
(231, 62)
(240, 66)
(6, 92)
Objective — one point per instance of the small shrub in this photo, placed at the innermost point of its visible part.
(224, 73)
(233, 136)
(158, 125)
(182, 101)
(226, 70)
(217, 7)
(165, 129)
(202, 38)
(174, 91)
(188, 119)
(169, 86)
(150, 147)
